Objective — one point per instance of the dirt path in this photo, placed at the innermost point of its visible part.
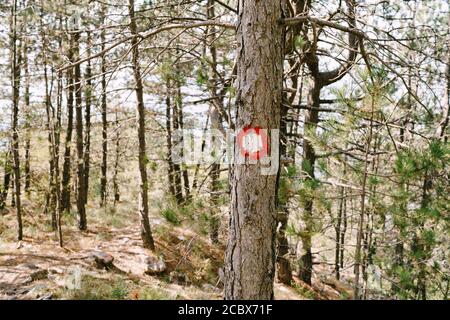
(38, 268)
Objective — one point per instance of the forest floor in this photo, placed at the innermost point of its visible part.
(37, 268)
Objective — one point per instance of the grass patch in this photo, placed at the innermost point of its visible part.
(112, 289)
(149, 293)
(304, 292)
(98, 289)
(110, 217)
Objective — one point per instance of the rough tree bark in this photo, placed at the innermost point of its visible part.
(250, 257)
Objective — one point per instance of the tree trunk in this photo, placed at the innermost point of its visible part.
(51, 197)
(176, 166)
(116, 190)
(13, 191)
(360, 230)
(66, 174)
(16, 66)
(284, 271)
(216, 125)
(82, 223)
(250, 258)
(56, 127)
(146, 232)
(104, 165)
(170, 166)
(340, 228)
(420, 251)
(49, 111)
(56, 130)
(87, 120)
(443, 134)
(214, 187)
(308, 163)
(179, 114)
(27, 125)
(320, 80)
(6, 179)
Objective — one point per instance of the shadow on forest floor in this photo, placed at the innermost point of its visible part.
(37, 268)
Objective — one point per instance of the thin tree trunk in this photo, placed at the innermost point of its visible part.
(443, 134)
(56, 125)
(55, 141)
(308, 163)
(16, 68)
(170, 166)
(341, 226)
(87, 120)
(51, 195)
(116, 190)
(6, 178)
(343, 232)
(146, 232)
(360, 230)
(250, 257)
(216, 125)
(419, 248)
(27, 125)
(338, 230)
(179, 114)
(398, 261)
(284, 271)
(13, 190)
(66, 174)
(104, 165)
(176, 165)
(82, 223)
(197, 167)
(320, 80)
(368, 236)
(214, 187)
